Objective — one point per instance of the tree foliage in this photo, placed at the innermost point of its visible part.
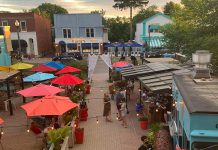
(48, 10)
(171, 8)
(102, 12)
(125, 4)
(118, 29)
(194, 27)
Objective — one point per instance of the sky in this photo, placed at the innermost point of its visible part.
(75, 6)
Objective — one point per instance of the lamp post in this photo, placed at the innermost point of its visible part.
(17, 24)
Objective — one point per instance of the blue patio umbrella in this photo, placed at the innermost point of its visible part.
(55, 64)
(39, 76)
(108, 45)
(133, 44)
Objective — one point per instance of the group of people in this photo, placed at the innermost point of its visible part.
(120, 98)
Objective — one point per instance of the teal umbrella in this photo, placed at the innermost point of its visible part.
(5, 59)
(55, 64)
(39, 76)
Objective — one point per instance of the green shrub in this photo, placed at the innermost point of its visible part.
(144, 118)
(152, 132)
(57, 136)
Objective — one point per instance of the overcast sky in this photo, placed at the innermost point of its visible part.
(74, 6)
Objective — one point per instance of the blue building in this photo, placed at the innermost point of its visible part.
(194, 124)
(82, 33)
(148, 33)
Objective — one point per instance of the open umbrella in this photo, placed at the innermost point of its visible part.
(21, 66)
(40, 90)
(55, 64)
(120, 64)
(6, 68)
(43, 68)
(68, 69)
(67, 79)
(39, 76)
(49, 105)
(1, 121)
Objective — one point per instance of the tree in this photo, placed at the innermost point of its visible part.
(194, 27)
(118, 29)
(48, 10)
(171, 8)
(144, 14)
(125, 4)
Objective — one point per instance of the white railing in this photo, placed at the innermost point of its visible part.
(64, 146)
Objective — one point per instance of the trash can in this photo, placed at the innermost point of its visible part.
(79, 135)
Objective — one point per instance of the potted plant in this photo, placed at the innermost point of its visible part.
(143, 122)
(56, 137)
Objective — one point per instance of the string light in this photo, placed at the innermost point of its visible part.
(117, 117)
(52, 128)
(74, 125)
(28, 130)
(137, 114)
(2, 132)
(157, 110)
(97, 120)
(174, 104)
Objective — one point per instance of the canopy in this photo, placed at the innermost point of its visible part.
(39, 76)
(6, 68)
(49, 105)
(55, 64)
(1, 121)
(120, 64)
(108, 45)
(40, 90)
(68, 69)
(67, 79)
(21, 66)
(43, 68)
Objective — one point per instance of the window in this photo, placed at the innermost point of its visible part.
(5, 23)
(90, 32)
(67, 33)
(23, 26)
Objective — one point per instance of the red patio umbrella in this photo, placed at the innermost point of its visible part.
(40, 90)
(120, 64)
(67, 79)
(49, 105)
(68, 69)
(43, 68)
(1, 121)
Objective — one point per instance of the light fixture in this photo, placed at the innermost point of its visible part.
(17, 24)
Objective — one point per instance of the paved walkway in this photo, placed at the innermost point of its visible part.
(106, 135)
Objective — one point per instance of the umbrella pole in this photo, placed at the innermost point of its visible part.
(9, 96)
(22, 85)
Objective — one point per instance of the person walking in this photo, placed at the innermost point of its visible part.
(123, 113)
(107, 108)
(119, 96)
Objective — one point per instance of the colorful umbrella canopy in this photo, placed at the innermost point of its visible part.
(40, 90)
(43, 68)
(55, 64)
(21, 66)
(6, 68)
(67, 79)
(120, 64)
(68, 69)
(1, 121)
(39, 76)
(49, 105)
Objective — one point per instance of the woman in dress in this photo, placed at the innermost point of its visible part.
(107, 107)
(123, 113)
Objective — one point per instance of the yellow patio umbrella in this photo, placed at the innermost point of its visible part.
(21, 66)
(6, 68)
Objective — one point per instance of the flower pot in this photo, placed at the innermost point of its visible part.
(79, 135)
(144, 125)
(83, 113)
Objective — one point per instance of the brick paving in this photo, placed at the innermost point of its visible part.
(106, 135)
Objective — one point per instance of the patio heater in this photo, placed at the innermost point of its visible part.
(17, 24)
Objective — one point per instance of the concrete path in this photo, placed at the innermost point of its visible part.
(106, 135)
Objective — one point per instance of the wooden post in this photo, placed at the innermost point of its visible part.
(22, 85)
(9, 96)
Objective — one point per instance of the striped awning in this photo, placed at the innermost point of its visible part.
(154, 42)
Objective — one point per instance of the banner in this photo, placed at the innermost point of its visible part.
(92, 61)
(107, 59)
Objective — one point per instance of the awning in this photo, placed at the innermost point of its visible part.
(72, 45)
(154, 42)
(86, 45)
(62, 43)
(15, 44)
(95, 45)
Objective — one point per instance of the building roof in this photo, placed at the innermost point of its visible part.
(158, 14)
(199, 96)
(149, 68)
